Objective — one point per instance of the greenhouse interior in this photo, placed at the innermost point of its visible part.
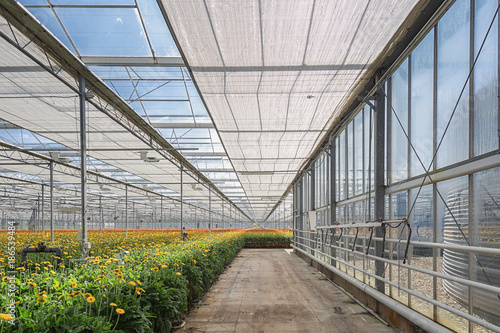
(149, 149)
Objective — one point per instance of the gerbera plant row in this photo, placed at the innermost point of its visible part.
(136, 282)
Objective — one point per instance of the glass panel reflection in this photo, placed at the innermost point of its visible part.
(422, 101)
(105, 31)
(452, 71)
(399, 142)
(485, 79)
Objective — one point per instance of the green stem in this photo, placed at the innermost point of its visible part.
(110, 315)
(99, 308)
(117, 319)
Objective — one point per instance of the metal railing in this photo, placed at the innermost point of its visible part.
(420, 284)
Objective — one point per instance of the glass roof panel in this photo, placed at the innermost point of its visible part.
(161, 39)
(170, 108)
(137, 73)
(33, 2)
(105, 31)
(93, 2)
(158, 93)
(47, 18)
(161, 90)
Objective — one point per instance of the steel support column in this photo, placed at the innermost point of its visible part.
(43, 210)
(379, 180)
(37, 227)
(182, 199)
(83, 167)
(209, 211)
(51, 201)
(100, 211)
(161, 213)
(126, 210)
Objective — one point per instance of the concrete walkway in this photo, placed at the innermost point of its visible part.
(271, 290)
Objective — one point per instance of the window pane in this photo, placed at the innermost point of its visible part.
(455, 193)
(399, 142)
(422, 78)
(358, 153)
(47, 18)
(162, 42)
(399, 211)
(358, 213)
(487, 208)
(337, 168)
(350, 166)
(485, 79)
(421, 218)
(105, 31)
(341, 215)
(342, 165)
(452, 71)
(369, 158)
(487, 234)
(399, 206)
(452, 215)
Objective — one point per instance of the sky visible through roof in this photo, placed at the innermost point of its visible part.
(164, 96)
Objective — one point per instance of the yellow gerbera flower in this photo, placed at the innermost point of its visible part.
(91, 299)
(120, 311)
(5, 316)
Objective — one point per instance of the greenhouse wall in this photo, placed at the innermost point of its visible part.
(440, 231)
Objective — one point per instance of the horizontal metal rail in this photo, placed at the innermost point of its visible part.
(409, 291)
(468, 249)
(369, 224)
(415, 317)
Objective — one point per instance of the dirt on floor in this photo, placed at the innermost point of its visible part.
(272, 290)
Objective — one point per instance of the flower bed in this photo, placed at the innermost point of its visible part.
(267, 238)
(146, 290)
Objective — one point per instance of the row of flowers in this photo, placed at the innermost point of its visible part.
(140, 282)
